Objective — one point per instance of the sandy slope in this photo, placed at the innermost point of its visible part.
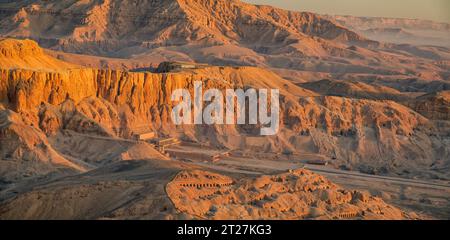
(398, 30)
(27, 54)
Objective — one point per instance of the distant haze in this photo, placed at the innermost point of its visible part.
(437, 10)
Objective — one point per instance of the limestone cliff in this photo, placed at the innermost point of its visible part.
(372, 135)
(383, 134)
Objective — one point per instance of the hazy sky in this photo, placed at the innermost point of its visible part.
(438, 10)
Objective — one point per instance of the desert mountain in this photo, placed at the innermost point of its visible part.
(375, 22)
(168, 22)
(398, 30)
(366, 134)
(28, 55)
(73, 115)
(137, 190)
(298, 194)
(216, 32)
(356, 89)
(433, 105)
(30, 148)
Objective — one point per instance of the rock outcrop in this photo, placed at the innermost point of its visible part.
(374, 135)
(26, 54)
(434, 105)
(299, 194)
(218, 32)
(356, 89)
(168, 23)
(24, 142)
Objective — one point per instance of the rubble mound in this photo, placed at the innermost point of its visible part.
(298, 194)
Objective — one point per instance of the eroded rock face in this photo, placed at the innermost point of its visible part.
(96, 25)
(26, 152)
(299, 194)
(148, 95)
(21, 141)
(106, 102)
(356, 89)
(434, 105)
(374, 135)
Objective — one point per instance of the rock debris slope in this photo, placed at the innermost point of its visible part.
(299, 194)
